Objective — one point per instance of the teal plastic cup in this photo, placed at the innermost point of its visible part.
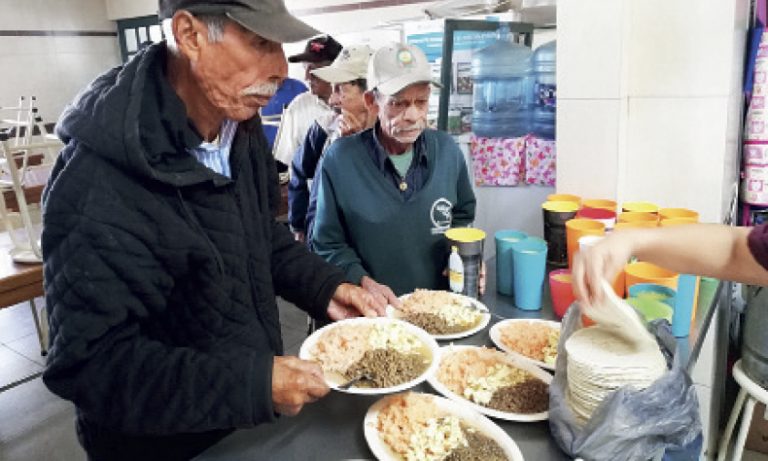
(529, 264)
(504, 255)
(653, 291)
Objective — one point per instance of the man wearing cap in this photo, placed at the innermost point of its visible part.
(387, 195)
(306, 108)
(347, 75)
(162, 258)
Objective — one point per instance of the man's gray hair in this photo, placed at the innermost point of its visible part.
(214, 23)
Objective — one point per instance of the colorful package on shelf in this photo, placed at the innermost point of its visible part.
(540, 161)
(497, 161)
(756, 126)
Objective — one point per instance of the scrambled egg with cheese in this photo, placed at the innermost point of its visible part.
(480, 389)
(437, 440)
(393, 336)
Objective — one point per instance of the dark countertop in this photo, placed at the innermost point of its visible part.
(332, 428)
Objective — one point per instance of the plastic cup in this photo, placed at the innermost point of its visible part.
(669, 213)
(606, 217)
(469, 243)
(561, 289)
(530, 267)
(599, 203)
(564, 198)
(669, 222)
(642, 207)
(643, 272)
(634, 225)
(684, 301)
(653, 291)
(504, 254)
(556, 214)
(635, 216)
(651, 309)
(577, 228)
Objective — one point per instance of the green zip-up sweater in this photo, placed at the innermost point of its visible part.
(366, 227)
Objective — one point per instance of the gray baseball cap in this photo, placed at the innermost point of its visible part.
(396, 66)
(268, 18)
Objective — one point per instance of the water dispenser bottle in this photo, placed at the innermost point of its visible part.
(544, 91)
(502, 101)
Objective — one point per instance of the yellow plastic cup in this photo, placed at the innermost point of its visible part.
(564, 198)
(642, 207)
(671, 213)
(676, 222)
(634, 225)
(643, 272)
(577, 228)
(599, 203)
(634, 216)
(560, 206)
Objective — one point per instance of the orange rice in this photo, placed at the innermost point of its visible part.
(531, 339)
(406, 414)
(457, 367)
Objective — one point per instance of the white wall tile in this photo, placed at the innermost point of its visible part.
(589, 48)
(588, 147)
(675, 152)
(121, 9)
(680, 48)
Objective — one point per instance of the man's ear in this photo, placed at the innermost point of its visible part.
(370, 101)
(190, 34)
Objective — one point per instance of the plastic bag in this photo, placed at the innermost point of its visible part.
(629, 424)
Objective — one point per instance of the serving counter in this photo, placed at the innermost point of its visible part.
(332, 428)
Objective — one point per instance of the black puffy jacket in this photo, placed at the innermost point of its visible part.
(160, 274)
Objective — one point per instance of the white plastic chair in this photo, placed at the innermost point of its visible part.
(749, 394)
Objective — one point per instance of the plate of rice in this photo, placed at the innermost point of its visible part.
(442, 314)
(532, 340)
(393, 355)
(414, 426)
(493, 383)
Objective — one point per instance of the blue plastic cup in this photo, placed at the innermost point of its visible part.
(661, 292)
(686, 293)
(530, 268)
(504, 255)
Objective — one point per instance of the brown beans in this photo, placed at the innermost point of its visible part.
(480, 448)
(387, 368)
(529, 396)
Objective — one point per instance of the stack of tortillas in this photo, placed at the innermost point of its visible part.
(617, 352)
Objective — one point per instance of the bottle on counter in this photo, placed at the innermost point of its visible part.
(455, 271)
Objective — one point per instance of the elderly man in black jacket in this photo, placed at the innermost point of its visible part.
(162, 257)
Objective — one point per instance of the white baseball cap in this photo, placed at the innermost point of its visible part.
(350, 65)
(395, 66)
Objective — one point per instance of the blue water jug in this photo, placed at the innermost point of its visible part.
(544, 91)
(502, 102)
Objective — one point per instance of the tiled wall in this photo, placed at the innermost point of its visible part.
(649, 91)
(52, 67)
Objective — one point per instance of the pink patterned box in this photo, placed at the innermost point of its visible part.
(540, 161)
(497, 161)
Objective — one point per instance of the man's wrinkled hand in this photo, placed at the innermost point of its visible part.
(382, 294)
(352, 301)
(295, 382)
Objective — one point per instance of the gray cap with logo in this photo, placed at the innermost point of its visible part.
(268, 18)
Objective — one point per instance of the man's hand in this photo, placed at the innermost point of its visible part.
(295, 382)
(352, 301)
(299, 236)
(382, 294)
(481, 279)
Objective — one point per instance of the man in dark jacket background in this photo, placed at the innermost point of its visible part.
(162, 257)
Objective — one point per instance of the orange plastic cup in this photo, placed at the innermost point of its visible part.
(564, 198)
(577, 228)
(634, 216)
(599, 203)
(634, 225)
(643, 272)
(642, 207)
(676, 222)
(675, 213)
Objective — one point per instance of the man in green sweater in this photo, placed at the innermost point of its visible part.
(387, 195)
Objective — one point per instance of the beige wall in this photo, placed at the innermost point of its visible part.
(53, 68)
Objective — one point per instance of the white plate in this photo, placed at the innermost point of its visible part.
(509, 416)
(495, 334)
(394, 313)
(484, 425)
(334, 380)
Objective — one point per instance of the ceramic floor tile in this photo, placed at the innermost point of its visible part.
(29, 347)
(15, 366)
(16, 322)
